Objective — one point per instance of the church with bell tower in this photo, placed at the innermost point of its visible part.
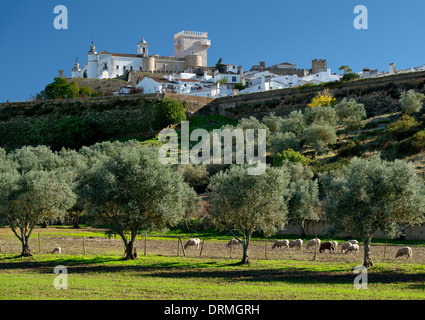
(190, 52)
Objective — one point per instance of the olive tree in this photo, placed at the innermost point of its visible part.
(33, 190)
(319, 135)
(304, 199)
(273, 122)
(295, 122)
(243, 203)
(350, 114)
(371, 194)
(280, 141)
(411, 101)
(133, 192)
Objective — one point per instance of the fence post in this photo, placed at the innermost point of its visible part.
(178, 247)
(265, 248)
(84, 245)
(385, 248)
(145, 243)
(181, 243)
(202, 247)
(231, 248)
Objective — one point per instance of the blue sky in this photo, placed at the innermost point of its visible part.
(241, 32)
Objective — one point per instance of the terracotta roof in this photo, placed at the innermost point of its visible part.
(193, 80)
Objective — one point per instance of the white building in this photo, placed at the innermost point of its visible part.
(190, 50)
(153, 84)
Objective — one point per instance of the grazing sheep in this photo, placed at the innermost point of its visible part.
(57, 249)
(193, 242)
(345, 246)
(280, 244)
(328, 245)
(233, 242)
(405, 251)
(335, 243)
(298, 243)
(352, 247)
(313, 242)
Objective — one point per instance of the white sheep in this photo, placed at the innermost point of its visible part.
(335, 243)
(313, 242)
(405, 251)
(352, 247)
(280, 244)
(193, 242)
(345, 246)
(233, 242)
(57, 249)
(298, 243)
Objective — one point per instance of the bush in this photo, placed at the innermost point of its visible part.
(290, 155)
(350, 150)
(318, 136)
(323, 99)
(283, 140)
(168, 112)
(402, 128)
(321, 115)
(294, 122)
(418, 141)
(413, 145)
(74, 133)
(378, 103)
(350, 76)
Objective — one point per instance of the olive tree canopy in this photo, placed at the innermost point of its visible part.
(132, 192)
(243, 203)
(371, 194)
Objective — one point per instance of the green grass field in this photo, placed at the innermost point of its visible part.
(154, 277)
(102, 274)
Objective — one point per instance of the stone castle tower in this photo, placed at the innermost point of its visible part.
(193, 46)
(318, 65)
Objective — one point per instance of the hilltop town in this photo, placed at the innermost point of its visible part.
(187, 72)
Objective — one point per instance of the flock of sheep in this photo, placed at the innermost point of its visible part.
(349, 246)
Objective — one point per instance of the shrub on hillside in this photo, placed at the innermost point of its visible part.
(321, 116)
(350, 76)
(352, 149)
(168, 112)
(294, 122)
(283, 140)
(290, 155)
(402, 128)
(412, 145)
(74, 133)
(411, 101)
(378, 103)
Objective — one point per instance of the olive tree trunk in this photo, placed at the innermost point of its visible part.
(26, 252)
(245, 246)
(130, 249)
(367, 261)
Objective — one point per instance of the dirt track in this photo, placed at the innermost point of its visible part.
(259, 249)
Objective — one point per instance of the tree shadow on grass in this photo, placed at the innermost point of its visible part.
(232, 272)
